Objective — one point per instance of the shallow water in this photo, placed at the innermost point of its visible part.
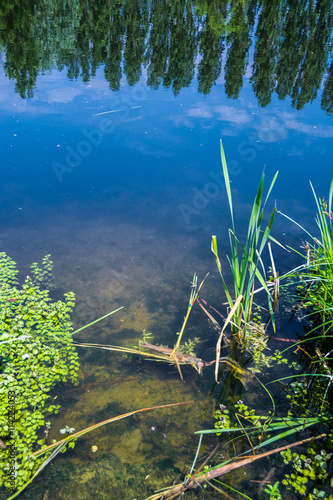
(110, 162)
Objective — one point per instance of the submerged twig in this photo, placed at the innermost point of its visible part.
(179, 489)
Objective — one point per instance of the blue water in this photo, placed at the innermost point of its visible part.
(79, 153)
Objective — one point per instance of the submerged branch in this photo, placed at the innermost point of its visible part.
(179, 489)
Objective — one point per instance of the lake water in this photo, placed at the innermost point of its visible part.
(111, 119)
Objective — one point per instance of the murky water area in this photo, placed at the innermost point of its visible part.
(110, 162)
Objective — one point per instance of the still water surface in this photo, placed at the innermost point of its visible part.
(111, 117)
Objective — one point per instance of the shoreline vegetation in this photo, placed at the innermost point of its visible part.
(294, 424)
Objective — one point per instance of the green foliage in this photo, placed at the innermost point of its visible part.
(146, 337)
(315, 277)
(279, 359)
(256, 343)
(8, 271)
(223, 418)
(43, 277)
(242, 411)
(311, 465)
(273, 491)
(37, 353)
(189, 346)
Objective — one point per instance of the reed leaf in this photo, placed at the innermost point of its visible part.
(97, 320)
(193, 297)
(218, 345)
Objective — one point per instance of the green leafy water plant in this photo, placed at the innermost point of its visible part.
(43, 276)
(309, 466)
(36, 353)
(307, 394)
(273, 491)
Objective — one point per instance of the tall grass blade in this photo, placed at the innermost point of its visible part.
(97, 320)
(227, 182)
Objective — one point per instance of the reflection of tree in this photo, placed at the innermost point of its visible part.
(136, 22)
(266, 51)
(239, 43)
(293, 47)
(171, 38)
(314, 64)
(183, 46)
(31, 47)
(327, 99)
(114, 46)
(158, 46)
(210, 47)
(16, 30)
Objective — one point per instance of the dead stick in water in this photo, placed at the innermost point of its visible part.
(181, 358)
(177, 490)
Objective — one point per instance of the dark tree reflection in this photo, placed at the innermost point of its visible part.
(176, 41)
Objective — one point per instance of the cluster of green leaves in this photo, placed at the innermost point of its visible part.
(146, 337)
(316, 278)
(43, 276)
(256, 344)
(279, 359)
(224, 419)
(273, 491)
(310, 466)
(189, 346)
(36, 353)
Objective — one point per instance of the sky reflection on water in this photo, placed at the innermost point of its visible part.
(159, 168)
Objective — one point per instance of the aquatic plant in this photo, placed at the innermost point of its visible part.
(245, 260)
(311, 465)
(36, 353)
(43, 276)
(315, 276)
(262, 432)
(273, 491)
(206, 475)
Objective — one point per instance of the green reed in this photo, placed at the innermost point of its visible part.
(319, 295)
(246, 260)
(316, 274)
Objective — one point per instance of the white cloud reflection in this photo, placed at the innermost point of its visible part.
(233, 115)
(270, 125)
